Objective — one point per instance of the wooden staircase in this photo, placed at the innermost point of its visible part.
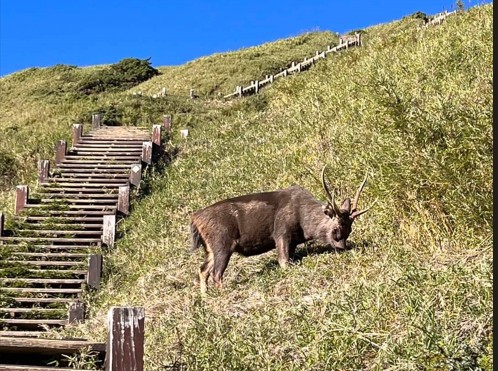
(54, 252)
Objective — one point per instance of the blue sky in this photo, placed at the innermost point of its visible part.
(35, 33)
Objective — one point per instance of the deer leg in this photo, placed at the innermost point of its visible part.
(206, 269)
(220, 264)
(283, 252)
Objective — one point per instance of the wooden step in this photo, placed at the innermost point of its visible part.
(88, 180)
(51, 255)
(8, 367)
(64, 232)
(51, 239)
(61, 263)
(43, 300)
(62, 196)
(82, 184)
(80, 219)
(97, 166)
(31, 310)
(22, 334)
(41, 321)
(48, 247)
(84, 171)
(64, 291)
(54, 213)
(45, 206)
(52, 281)
(83, 176)
(81, 226)
(51, 188)
(49, 346)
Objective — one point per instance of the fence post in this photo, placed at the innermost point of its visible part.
(125, 342)
(96, 120)
(256, 86)
(124, 199)
(109, 229)
(2, 224)
(147, 152)
(60, 151)
(135, 174)
(167, 123)
(184, 133)
(271, 79)
(76, 312)
(77, 132)
(43, 170)
(22, 193)
(94, 271)
(163, 92)
(156, 139)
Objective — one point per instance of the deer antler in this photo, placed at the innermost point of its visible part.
(354, 212)
(331, 197)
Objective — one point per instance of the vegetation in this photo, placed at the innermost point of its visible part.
(412, 108)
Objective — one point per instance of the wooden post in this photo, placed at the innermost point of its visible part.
(256, 86)
(109, 230)
(135, 174)
(298, 67)
(167, 123)
(94, 271)
(96, 120)
(22, 193)
(77, 133)
(184, 133)
(163, 92)
(43, 170)
(60, 151)
(147, 152)
(238, 90)
(156, 135)
(2, 224)
(285, 72)
(76, 312)
(125, 342)
(124, 199)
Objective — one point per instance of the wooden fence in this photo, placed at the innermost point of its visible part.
(52, 255)
(345, 42)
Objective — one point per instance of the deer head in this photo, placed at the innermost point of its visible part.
(341, 217)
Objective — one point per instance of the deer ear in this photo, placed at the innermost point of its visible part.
(346, 205)
(328, 210)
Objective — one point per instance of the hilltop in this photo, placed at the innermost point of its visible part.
(413, 108)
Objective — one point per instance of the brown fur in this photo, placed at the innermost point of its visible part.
(256, 223)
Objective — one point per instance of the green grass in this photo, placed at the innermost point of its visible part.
(413, 108)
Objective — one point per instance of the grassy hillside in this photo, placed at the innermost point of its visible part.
(413, 108)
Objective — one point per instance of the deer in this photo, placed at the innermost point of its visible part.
(256, 223)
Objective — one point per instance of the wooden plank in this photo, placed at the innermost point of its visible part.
(60, 151)
(94, 271)
(41, 291)
(48, 346)
(43, 300)
(147, 152)
(124, 200)
(125, 343)
(2, 224)
(23, 321)
(22, 193)
(59, 281)
(156, 135)
(43, 170)
(96, 120)
(167, 123)
(135, 174)
(76, 312)
(109, 230)
(61, 263)
(5, 367)
(77, 133)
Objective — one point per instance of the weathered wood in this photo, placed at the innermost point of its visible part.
(147, 152)
(76, 312)
(47, 346)
(77, 133)
(43, 170)
(109, 230)
(2, 224)
(94, 271)
(60, 151)
(156, 139)
(167, 123)
(22, 193)
(124, 200)
(96, 120)
(125, 343)
(135, 174)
